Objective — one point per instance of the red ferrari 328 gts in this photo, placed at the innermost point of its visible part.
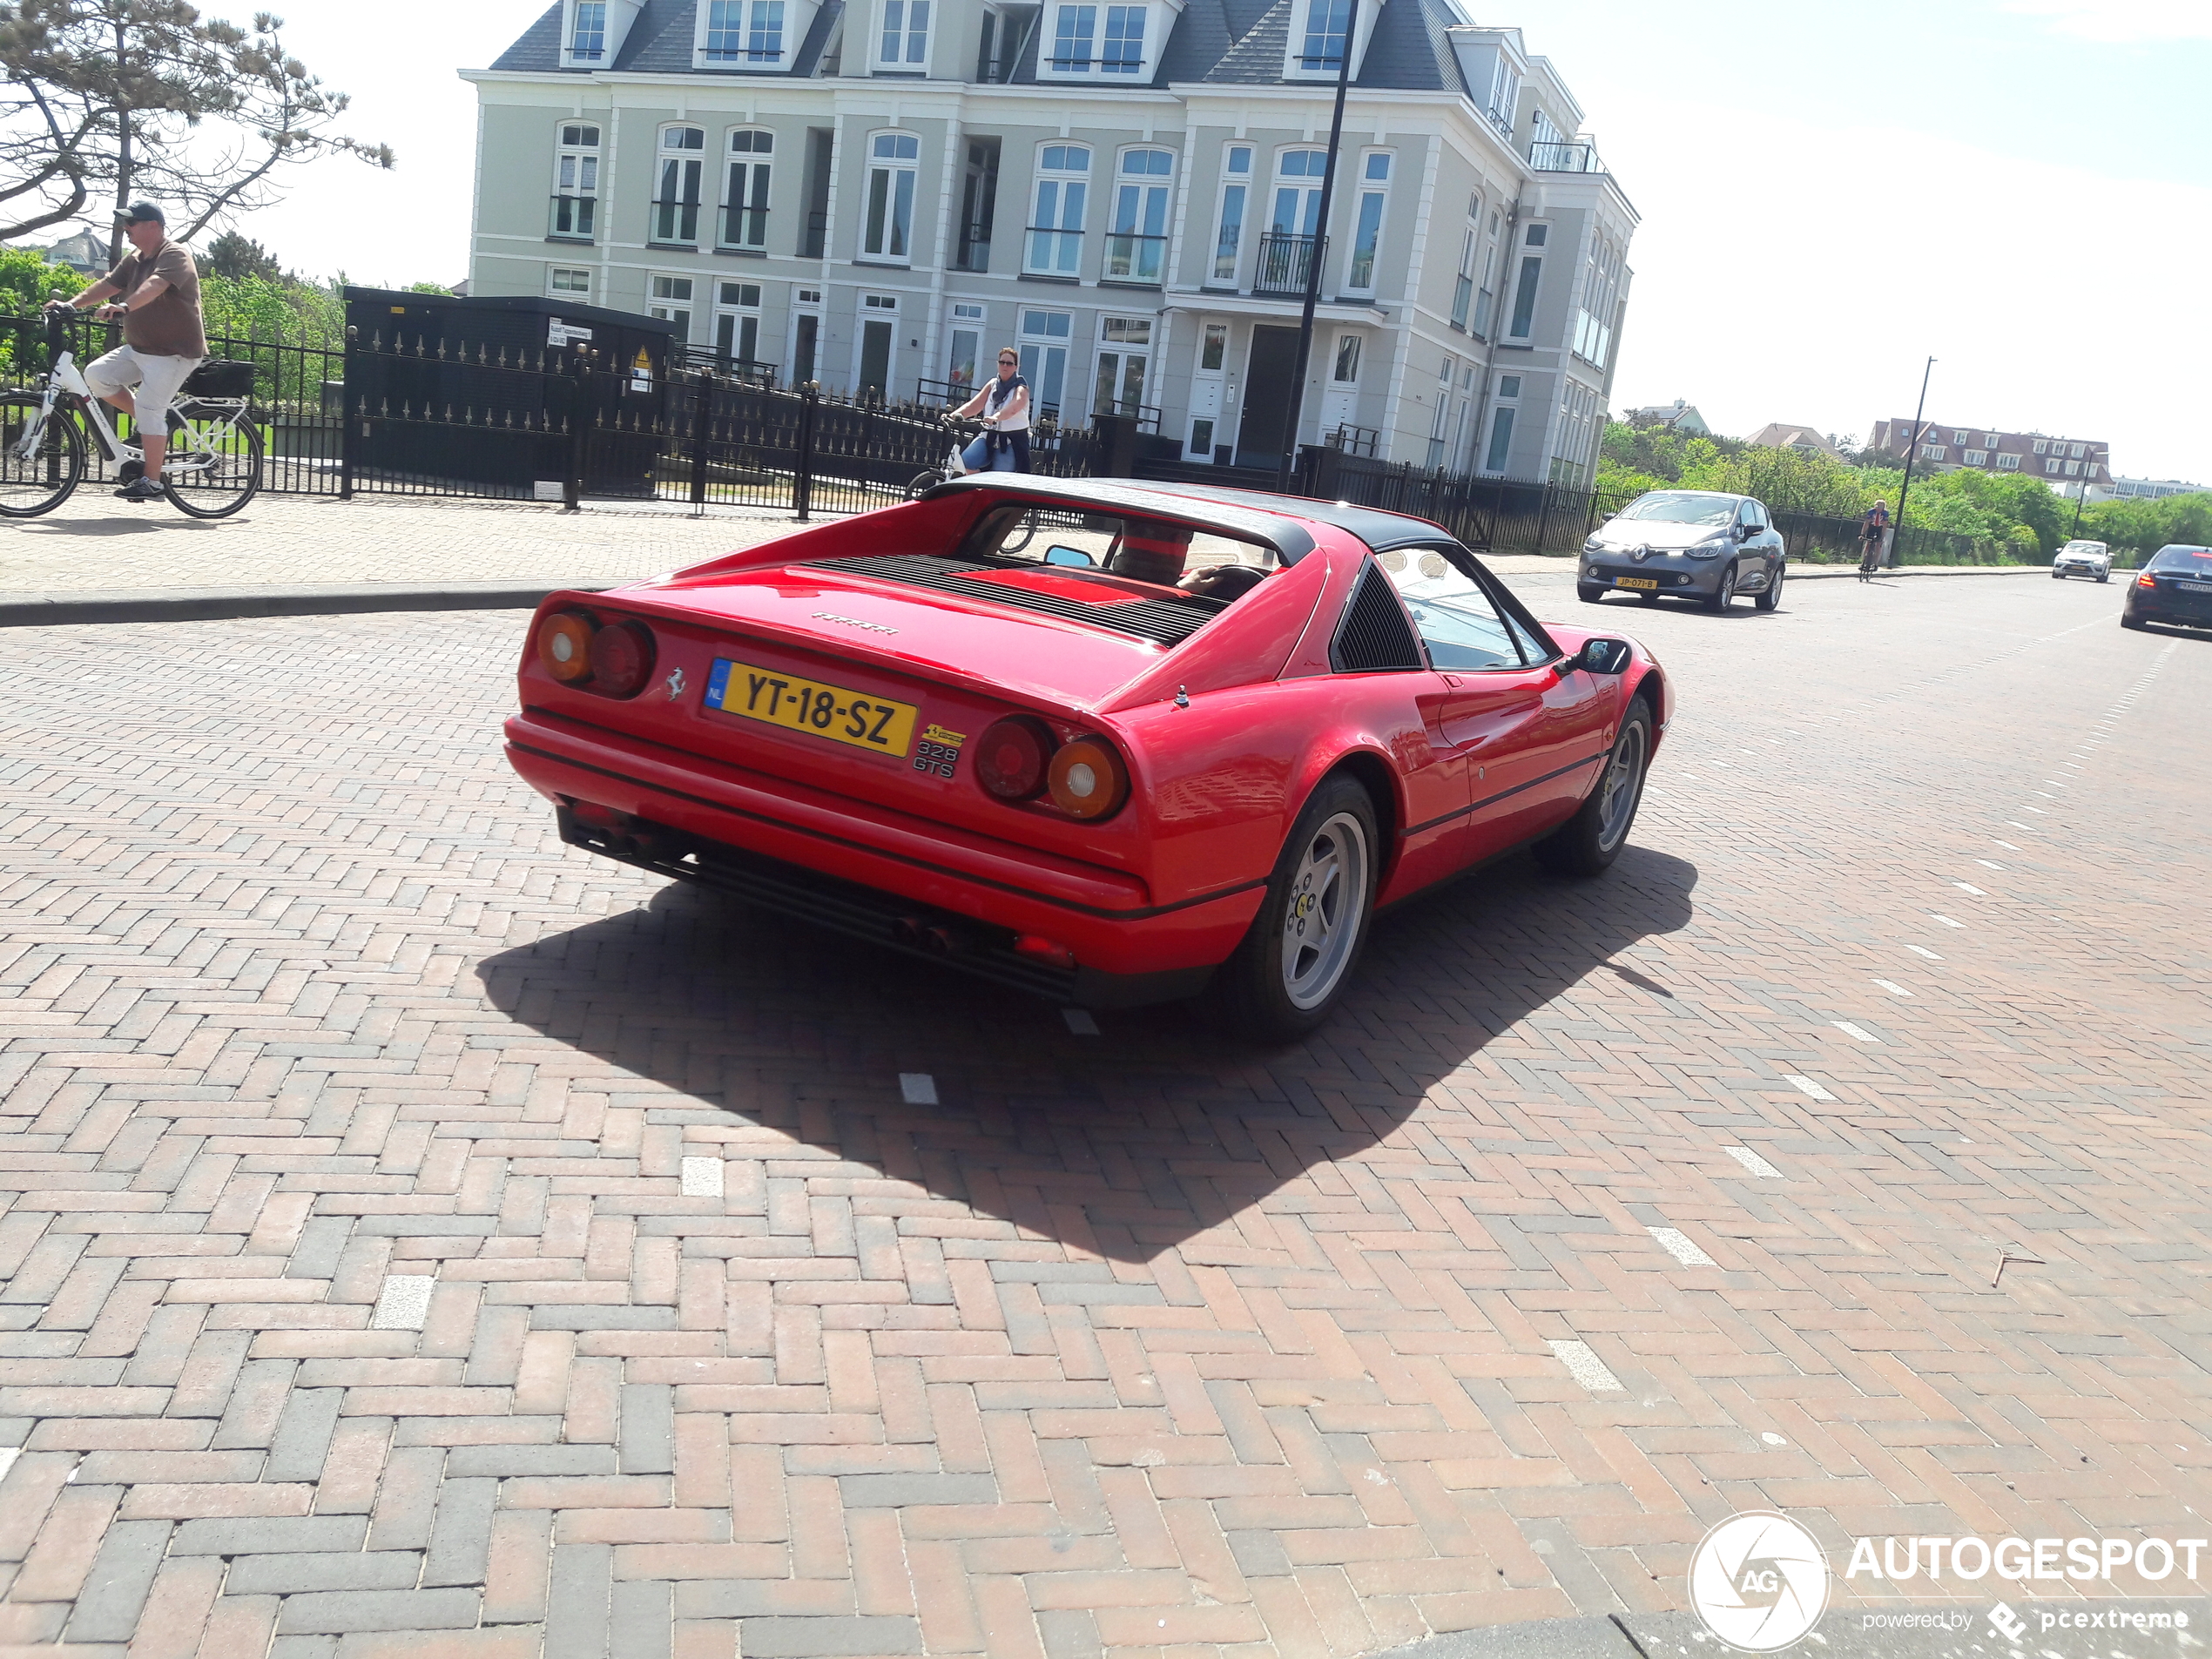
(1104, 741)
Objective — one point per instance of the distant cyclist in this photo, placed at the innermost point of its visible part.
(1004, 405)
(1873, 528)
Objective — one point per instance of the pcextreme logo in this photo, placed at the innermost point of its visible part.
(1759, 1581)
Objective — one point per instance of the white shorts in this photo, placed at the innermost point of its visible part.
(155, 381)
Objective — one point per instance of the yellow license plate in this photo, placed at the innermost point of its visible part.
(776, 697)
(1634, 582)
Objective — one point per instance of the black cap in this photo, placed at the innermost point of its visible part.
(144, 213)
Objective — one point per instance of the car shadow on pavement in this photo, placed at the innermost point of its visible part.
(1126, 1143)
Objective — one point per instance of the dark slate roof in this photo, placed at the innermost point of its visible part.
(1214, 42)
(540, 46)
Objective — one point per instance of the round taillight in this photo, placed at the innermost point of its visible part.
(564, 646)
(1012, 758)
(1087, 778)
(622, 659)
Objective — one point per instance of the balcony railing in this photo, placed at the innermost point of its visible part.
(1565, 158)
(1285, 261)
(974, 251)
(1054, 252)
(810, 246)
(575, 219)
(1131, 257)
(745, 228)
(676, 224)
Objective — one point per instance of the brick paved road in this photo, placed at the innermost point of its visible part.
(413, 1226)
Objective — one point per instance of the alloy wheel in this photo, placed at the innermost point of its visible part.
(1327, 903)
(1623, 785)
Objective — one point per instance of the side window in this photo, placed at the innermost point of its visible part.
(1453, 617)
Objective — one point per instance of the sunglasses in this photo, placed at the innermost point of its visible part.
(1006, 362)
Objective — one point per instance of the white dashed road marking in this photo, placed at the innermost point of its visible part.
(1947, 922)
(1754, 1163)
(1805, 1084)
(1968, 887)
(1585, 1366)
(1922, 950)
(917, 1088)
(1679, 1244)
(1893, 988)
(405, 1302)
(702, 1178)
(1851, 1030)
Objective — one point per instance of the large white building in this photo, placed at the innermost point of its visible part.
(879, 193)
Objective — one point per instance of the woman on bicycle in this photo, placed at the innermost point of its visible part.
(1004, 405)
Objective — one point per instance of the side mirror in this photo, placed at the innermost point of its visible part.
(1067, 556)
(1745, 532)
(1603, 656)
(1605, 518)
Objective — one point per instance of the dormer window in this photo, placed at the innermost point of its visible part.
(587, 39)
(1327, 23)
(742, 34)
(1102, 40)
(1505, 93)
(1123, 53)
(1074, 30)
(905, 42)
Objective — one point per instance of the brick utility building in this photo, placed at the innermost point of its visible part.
(2066, 464)
(876, 194)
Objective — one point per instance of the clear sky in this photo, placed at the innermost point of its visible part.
(2021, 188)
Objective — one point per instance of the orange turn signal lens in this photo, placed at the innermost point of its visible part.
(564, 646)
(1087, 779)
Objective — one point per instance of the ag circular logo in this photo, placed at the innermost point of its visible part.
(1759, 1581)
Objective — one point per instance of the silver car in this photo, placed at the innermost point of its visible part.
(1696, 544)
(2083, 558)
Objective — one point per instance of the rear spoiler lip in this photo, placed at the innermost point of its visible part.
(859, 647)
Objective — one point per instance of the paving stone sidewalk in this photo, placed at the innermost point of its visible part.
(421, 1239)
(95, 544)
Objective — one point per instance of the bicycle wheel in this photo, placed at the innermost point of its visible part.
(42, 480)
(214, 467)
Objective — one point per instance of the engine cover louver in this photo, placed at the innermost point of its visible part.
(1165, 622)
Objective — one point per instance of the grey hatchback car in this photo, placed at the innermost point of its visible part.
(1686, 544)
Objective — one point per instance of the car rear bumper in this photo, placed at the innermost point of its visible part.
(2172, 612)
(876, 873)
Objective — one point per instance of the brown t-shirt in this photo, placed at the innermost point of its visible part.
(169, 325)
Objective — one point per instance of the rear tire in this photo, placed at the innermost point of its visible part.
(43, 481)
(1290, 970)
(922, 482)
(2132, 622)
(214, 467)
(1588, 842)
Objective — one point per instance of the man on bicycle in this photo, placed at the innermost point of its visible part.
(1004, 405)
(164, 336)
(1872, 525)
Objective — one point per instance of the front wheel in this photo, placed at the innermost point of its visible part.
(1769, 598)
(1292, 967)
(1589, 592)
(1726, 591)
(39, 465)
(2104, 575)
(1586, 843)
(214, 467)
(922, 482)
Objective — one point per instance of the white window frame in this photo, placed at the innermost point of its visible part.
(748, 234)
(969, 318)
(2042, 446)
(738, 308)
(881, 204)
(598, 56)
(908, 43)
(1933, 452)
(2007, 461)
(750, 35)
(1114, 30)
(1034, 344)
(1065, 51)
(670, 162)
(1148, 198)
(1358, 343)
(1368, 191)
(1120, 350)
(658, 304)
(1232, 213)
(577, 169)
(581, 294)
(1318, 22)
(1529, 277)
(1052, 241)
(1977, 458)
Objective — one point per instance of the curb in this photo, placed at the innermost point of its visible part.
(223, 605)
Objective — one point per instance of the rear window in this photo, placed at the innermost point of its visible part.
(2196, 559)
(1183, 557)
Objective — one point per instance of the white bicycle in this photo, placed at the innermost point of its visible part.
(213, 466)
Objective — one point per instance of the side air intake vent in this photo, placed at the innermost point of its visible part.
(1374, 633)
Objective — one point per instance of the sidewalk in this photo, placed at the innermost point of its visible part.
(101, 560)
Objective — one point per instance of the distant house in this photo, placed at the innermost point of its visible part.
(2069, 466)
(84, 253)
(1780, 435)
(1676, 417)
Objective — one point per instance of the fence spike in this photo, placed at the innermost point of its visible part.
(448, 411)
(422, 347)
(565, 426)
(384, 409)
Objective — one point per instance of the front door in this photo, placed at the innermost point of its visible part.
(805, 331)
(1205, 392)
(1263, 435)
(875, 356)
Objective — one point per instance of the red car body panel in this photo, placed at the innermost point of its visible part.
(1224, 735)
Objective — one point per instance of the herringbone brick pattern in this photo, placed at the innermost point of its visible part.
(421, 1237)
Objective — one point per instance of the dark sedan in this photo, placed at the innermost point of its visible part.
(2175, 587)
(1696, 544)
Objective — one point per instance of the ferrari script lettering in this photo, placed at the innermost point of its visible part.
(853, 622)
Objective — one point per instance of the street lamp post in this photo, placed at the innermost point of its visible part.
(2081, 495)
(1911, 449)
(1313, 256)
